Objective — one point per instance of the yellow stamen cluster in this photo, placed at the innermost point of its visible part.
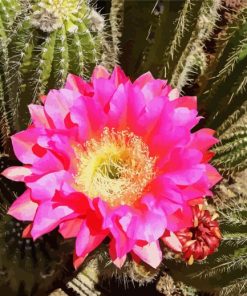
(117, 167)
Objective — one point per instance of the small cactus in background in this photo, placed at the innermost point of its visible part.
(232, 150)
(9, 12)
(48, 40)
(171, 43)
(224, 88)
(31, 268)
(167, 287)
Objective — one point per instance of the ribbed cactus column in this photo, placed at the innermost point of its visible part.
(30, 268)
(232, 149)
(9, 12)
(225, 82)
(48, 40)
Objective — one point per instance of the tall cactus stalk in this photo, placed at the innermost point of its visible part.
(232, 149)
(48, 40)
(9, 12)
(225, 88)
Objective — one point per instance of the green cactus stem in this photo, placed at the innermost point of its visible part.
(48, 40)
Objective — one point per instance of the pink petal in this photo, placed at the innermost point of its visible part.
(70, 228)
(17, 173)
(171, 240)
(150, 253)
(203, 139)
(173, 94)
(187, 102)
(27, 231)
(23, 143)
(45, 187)
(118, 76)
(58, 104)
(185, 167)
(213, 175)
(154, 89)
(185, 117)
(77, 84)
(23, 208)
(100, 72)
(148, 225)
(142, 80)
(103, 92)
(85, 242)
(83, 114)
(182, 218)
(119, 262)
(125, 107)
(38, 116)
(48, 217)
(78, 260)
(120, 244)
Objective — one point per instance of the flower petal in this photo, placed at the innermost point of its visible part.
(70, 228)
(23, 208)
(48, 217)
(17, 173)
(150, 253)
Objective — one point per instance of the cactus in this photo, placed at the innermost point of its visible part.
(166, 286)
(225, 87)
(231, 151)
(48, 39)
(9, 12)
(8, 189)
(171, 42)
(30, 267)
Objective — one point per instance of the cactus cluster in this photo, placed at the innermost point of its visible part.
(167, 38)
(30, 268)
(224, 88)
(47, 40)
(232, 149)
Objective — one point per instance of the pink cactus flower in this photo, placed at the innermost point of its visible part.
(113, 158)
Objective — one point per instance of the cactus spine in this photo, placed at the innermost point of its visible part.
(48, 40)
(231, 151)
(225, 87)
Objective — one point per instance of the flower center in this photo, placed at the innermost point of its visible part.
(116, 168)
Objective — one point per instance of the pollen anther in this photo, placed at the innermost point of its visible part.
(117, 167)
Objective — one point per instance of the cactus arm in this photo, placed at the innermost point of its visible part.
(193, 55)
(60, 63)
(116, 21)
